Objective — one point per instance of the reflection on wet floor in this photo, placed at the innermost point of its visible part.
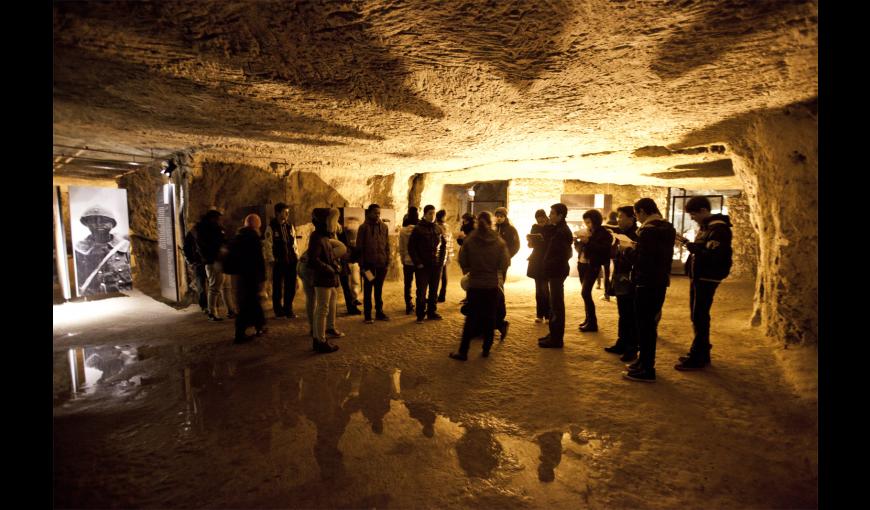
(335, 433)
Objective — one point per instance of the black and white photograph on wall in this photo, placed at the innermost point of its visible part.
(100, 236)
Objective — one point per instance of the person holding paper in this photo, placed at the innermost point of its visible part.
(537, 242)
(709, 263)
(651, 276)
(594, 247)
(621, 286)
(373, 246)
(555, 269)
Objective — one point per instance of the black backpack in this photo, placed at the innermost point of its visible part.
(191, 252)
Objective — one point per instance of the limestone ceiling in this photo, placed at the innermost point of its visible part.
(548, 87)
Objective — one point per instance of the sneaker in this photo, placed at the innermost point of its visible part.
(539, 320)
(459, 356)
(292, 315)
(368, 321)
(354, 311)
(280, 315)
(705, 358)
(549, 343)
(690, 364)
(589, 328)
(485, 353)
(640, 375)
(616, 348)
(215, 318)
(382, 317)
(334, 333)
(504, 330)
(262, 331)
(419, 320)
(543, 338)
(434, 317)
(629, 355)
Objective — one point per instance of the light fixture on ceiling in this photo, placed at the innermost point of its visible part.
(471, 193)
(168, 167)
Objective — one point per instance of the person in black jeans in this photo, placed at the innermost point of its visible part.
(483, 256)
(558, 241)
(373, 246)
(622, 288)
(244, 262)
(445, 253)
(535, 268)
(281, 236)
(709, 264)
(423, 248)
(651, 275)
(594, 248)
(408, 223)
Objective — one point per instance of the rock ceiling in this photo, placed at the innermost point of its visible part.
(591, 90)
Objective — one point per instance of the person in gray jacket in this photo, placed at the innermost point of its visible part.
(484, 256)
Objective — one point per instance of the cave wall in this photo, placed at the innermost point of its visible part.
(777, 160)
(622, 194)
(142, 187)
(745, 240)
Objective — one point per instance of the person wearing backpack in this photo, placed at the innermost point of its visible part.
(709, 263)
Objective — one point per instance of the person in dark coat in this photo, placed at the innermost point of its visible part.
(537, 242)
(423, 249)
(555, 270)
(280, 235)
(445, 254)
(465, 228)
(709, 263)
(650, 272)
(509, 235)
(373, 246)
(324, 267)
(594, 249)
(622, 288)
(484, 256)
(210, 240)
(244, 262)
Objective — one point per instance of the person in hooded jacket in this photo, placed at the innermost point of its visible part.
(509, 235)
(484, 256)
(650, 272)
(538, 243)
(709, 263)
(408, 223)
(211, 243)
(445, 254)
(244, 262)
(595, 249)
(423, 248)
(324, 267)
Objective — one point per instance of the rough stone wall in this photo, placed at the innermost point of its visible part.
(622, 194)
(745, 240)
(142, 187)
(778, 163)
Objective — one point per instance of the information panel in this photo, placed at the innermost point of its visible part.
(166, 242)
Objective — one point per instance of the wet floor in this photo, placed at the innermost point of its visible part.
(251, 434)
(182, 418)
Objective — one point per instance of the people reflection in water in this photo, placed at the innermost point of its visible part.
(551, 455)
(375, 389)
(478, 452)
(425, 414)
(322, 403)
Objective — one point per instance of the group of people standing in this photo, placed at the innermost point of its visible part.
(641, 258)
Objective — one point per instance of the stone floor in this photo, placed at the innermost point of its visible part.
(154, 407)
